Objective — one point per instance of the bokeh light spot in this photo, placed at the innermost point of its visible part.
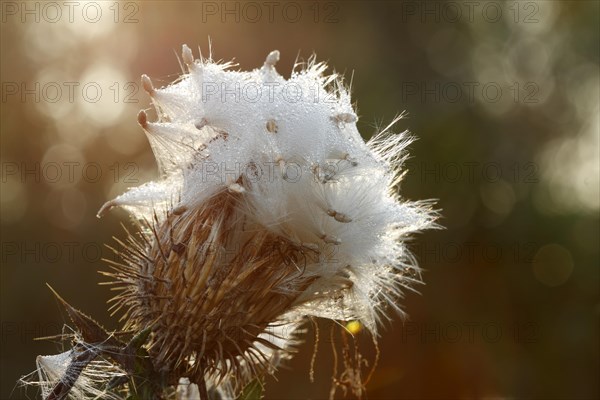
(552, 265)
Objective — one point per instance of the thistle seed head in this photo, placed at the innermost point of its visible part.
(270, 209)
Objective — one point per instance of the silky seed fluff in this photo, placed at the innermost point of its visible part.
(270, 209)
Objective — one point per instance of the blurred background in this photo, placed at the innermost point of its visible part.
(504, 100)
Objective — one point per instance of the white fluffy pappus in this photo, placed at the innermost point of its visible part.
(272, 178)
(89, 379)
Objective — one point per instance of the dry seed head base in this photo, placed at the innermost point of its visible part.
(270, 209)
